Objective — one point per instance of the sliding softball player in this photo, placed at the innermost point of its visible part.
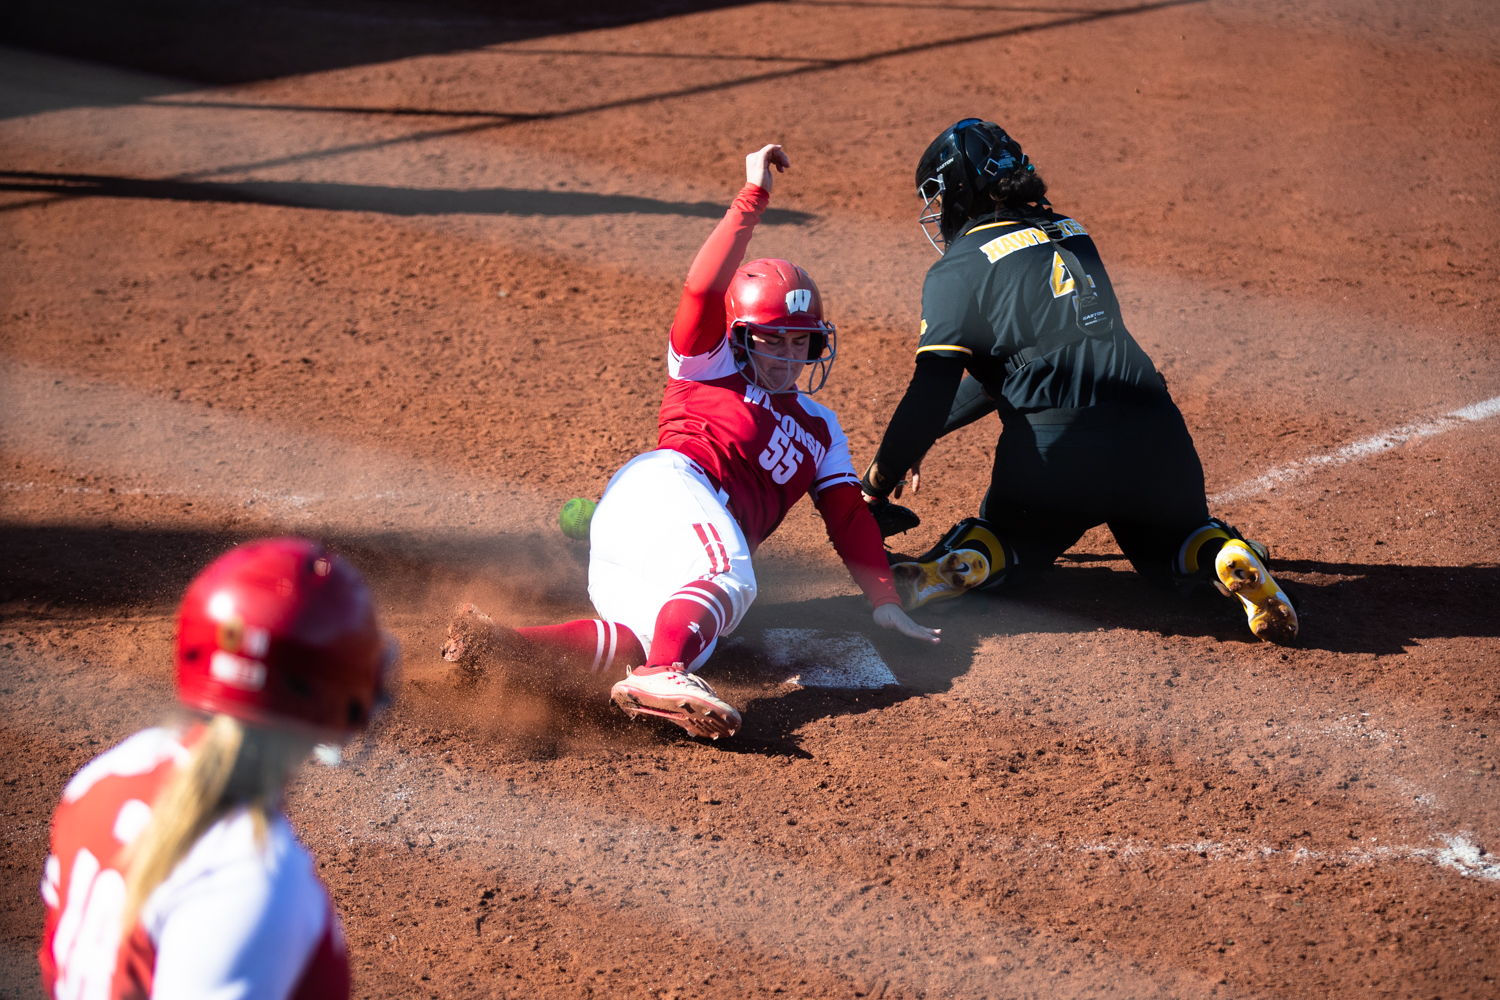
(672, 540)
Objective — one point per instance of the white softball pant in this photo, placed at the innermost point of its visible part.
(660, 525)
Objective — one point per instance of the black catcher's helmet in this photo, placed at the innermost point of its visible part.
(968, 158)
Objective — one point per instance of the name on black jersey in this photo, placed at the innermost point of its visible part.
(1008, 243)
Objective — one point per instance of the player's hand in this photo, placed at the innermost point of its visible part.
(914, 476)
(891, 616)
(759, 163)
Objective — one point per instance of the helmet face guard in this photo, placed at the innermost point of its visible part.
(822, 348)
(931, 219)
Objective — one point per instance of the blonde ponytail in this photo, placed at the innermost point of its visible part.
(234, 765)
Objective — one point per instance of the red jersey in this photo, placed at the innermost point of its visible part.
(239, 916)
(766, 450)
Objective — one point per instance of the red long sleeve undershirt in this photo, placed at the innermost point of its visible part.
(856, 538)
(700, 322)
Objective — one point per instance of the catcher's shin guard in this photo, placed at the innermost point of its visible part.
(1242, 572)
(969, 557)
(1195, 558)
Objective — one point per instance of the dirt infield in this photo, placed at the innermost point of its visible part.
(413, 305)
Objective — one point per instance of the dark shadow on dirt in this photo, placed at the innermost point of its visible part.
(66, 571)
(33, 83)
(74, 570)
(1343, 607)
(238, 41)
(1382, 608)
(771, 724)
(365, 198)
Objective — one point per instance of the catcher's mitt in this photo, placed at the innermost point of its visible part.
(893, 518)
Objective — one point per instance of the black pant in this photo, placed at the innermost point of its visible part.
(1059, 473)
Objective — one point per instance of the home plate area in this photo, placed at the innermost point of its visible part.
(819, 659)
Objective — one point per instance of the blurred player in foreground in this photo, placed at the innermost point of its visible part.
(173, 872)
(671, 541)
(1020, 301)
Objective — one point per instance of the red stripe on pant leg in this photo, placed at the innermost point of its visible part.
(722, 550)
(713, 565)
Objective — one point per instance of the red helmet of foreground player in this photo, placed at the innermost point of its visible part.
(282, 630)
(778, 296)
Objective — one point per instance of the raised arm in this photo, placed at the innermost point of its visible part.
(699, 325)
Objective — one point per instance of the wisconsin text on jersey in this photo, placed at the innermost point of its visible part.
(1009, 243)
(781, 457)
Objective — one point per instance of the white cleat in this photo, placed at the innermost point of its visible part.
(684, 698)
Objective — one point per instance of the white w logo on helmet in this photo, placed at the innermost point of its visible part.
(798, 300)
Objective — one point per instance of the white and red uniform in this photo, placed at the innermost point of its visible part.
(671, 540)
(237, 918)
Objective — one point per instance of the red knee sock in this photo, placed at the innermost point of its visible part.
(685, 626)
(586, 645)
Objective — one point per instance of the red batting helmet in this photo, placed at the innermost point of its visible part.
(282, 630)
(778, 296)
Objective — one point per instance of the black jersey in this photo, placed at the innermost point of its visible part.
(1001, 287)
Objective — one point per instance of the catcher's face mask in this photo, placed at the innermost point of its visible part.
(940, 182)
(931, 219)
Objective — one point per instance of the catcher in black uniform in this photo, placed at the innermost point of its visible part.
(1019, 317)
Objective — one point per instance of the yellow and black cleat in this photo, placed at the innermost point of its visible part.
(1195, 557)
(1242, 572)
(969, 556)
